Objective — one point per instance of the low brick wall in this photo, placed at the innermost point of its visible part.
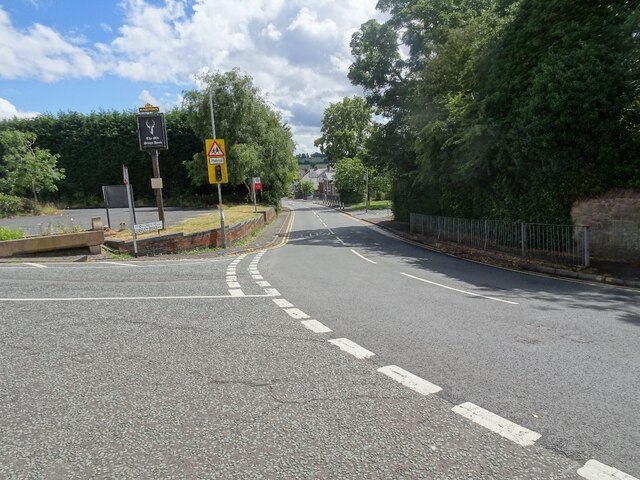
(614, 219)
(178, 242)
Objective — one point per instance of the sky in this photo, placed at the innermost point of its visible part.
(92, 55)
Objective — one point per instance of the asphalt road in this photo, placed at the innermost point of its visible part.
(561, 359)
(205, 369)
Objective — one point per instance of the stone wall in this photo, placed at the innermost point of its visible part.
(614, 219)
(178, 242)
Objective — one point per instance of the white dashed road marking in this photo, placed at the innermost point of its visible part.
(410, 380)
(272, 292)
(281, 302)
(495, 423)
(352, 348)
(363, 257)
(594, 470)
(37, 265)
(296, 313)
(234, 285)
(457, 289)
(236, 293)
(316, 326)
(263, 283)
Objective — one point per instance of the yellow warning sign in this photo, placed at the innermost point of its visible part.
(216, 161)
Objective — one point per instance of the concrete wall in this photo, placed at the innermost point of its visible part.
(91, 240)
(177, 242)
(614, 219)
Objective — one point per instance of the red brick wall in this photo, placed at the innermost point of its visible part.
(177, 242)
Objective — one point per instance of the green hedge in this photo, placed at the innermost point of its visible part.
(11, 205)
(10, 234)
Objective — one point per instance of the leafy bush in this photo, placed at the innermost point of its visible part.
(10, 234)
(11, 205)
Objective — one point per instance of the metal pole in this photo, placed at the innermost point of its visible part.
(213, 130)
(158, 191)
(125, 172)
(587, 240)
(366, 194)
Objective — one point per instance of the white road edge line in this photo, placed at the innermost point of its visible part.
(296, 313)
(495, 423)
(97, 299)
(315, 326)
(122, 264)
(458, 290)
(594, 470)
(35, 265)
(408, 379)
(352, 348)
(282, 303)
(362, 257)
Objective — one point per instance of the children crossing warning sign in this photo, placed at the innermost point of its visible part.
(216, 149)
(216, 161)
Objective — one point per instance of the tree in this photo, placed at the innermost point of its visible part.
(258, 143)
(350, 179)
(345, 128)
(27, 167)
(306, 188)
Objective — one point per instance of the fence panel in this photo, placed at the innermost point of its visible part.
(567, 244)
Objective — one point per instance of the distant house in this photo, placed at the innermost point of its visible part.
(322, 179)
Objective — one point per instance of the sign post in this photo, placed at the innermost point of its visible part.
(152, 135)
(217, 166)
(125, 179)
(256, 185)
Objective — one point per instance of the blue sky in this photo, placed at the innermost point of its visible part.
(90, 55)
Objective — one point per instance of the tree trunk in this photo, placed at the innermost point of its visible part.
(35, 196)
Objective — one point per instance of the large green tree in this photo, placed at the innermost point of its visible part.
(257, 141)
(346, 126)
(502, 108)
(26, 167)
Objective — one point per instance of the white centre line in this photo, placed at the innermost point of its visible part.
(458, 290)
(408, 379)
(352, 348)
(35, 265)
(315, 326)
(340, 240)
(495, 423)
(362, 257)
(594, 470)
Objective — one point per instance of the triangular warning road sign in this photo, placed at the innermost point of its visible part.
(215, 150)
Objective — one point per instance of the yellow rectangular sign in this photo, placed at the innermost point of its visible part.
(216, 160)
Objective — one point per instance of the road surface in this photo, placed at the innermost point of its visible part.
(342, 354)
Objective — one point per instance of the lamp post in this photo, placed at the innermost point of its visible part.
(213, 130)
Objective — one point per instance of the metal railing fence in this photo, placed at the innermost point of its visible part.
(568, 244)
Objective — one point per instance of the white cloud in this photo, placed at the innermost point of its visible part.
(307, 22)
(272, 32)
(297, 51)
(8, 110)
(41, 53)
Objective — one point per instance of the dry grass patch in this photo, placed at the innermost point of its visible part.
(232, 214)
